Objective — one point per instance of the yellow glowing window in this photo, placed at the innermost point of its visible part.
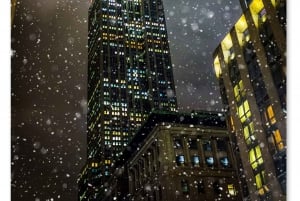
(256, 9)
(236, 92)
(244, 111)
(231, 190)
(255, 157)
(226, 45)
(249, 133)
(241, 85)
(232, 124)
(241, 28)
(246, 133)
(278, 140)
(239, 91)
(260, 183)
(271, 115)
(274, 2)
(217, 66)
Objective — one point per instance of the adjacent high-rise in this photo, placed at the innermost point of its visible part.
(250, 64)
(129, 75)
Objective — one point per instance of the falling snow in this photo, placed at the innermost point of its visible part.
(49, 84)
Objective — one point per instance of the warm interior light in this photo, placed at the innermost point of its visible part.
(241, 24)
(255, 7)
(217, 67)
(226, 45)
(240, 28)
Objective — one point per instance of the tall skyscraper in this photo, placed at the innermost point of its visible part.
(129, 74)
(250, 64)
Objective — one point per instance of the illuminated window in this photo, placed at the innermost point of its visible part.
(255, 157)
(224, 162)
(195, 160)
(260, 183)
(249, 133)
(239, 91)
(217, 66)
(232, 124)
(246, 35)
(278, 140)
(256, 9)
(209, 161)
(231, 190)
(180, 160)
(271, 115)
(244, 111)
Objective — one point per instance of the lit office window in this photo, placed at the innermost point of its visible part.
(249, 133)
(224, 162)
(271, 115)
(255, 157)
(239, 91)
(278, 140)
(260, 183)
(231, 190)
(195, 161)
(257, 11)
(209, 161)
(244, 111)
(180, 160)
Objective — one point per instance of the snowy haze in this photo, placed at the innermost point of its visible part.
(49, 83)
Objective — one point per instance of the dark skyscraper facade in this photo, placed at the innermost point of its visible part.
(129, 75)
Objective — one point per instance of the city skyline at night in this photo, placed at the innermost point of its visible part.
(49, 84)
(129, 75)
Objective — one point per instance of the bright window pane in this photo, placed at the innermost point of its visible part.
(231, 189)
(252, 159)
(246, 132)
(258, 181)
(278, 140)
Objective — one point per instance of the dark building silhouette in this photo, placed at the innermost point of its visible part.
(250, 64)
(177, 156)
(129, 75)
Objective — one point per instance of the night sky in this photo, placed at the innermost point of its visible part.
(49, 78)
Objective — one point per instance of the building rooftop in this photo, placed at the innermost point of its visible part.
(195, 118)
